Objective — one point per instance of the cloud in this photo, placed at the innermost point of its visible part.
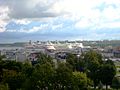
(29, 9)
(88, 14)
(111, 13)
(83, 23)
(110, 25)
(22, 21)
(30, 30)
(76, 10)
(40, 27)
(3, 18)
(54, 27)
(36, 29)
(24, 12)
(2, 26)
(61, 16)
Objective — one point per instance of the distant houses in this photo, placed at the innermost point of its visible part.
(57, 50)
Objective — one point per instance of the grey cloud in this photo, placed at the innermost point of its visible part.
(20, 9)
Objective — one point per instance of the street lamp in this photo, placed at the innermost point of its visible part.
(78, 56)
(77, 65)
(16, 53)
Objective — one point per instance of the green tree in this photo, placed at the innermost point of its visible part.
(10, 73)
(4, 87)
(1, 71)
(92, 56)
(92, 64)
(109, 62)
(79, 81)
(76, 62)
(71, 59)
(14, 80)
(116, 83)
(44, 58)
(93, 73)
(27, 69)
(41, 79)
(63, 77)
(12, 65)
(107, 72)
(1, 67)
(1, 57)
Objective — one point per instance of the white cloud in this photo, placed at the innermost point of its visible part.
(2, 26)
(22, 21)
(83, 23)
(110, 13)
(54, 27)
(37, 28)
(110, 25)
(85, 13)
(82, 12)
(3, 18)
(32, 30)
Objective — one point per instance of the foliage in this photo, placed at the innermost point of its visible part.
(80, 81)
(76, 62)
(12, 65)
(78, 73)
(107, 73)
(71, 59)
(93, 61)
(116, 83)
(63, 77)
(44, 58)
(15, 81)
(4, 87)
(27, 69)
(41, 77)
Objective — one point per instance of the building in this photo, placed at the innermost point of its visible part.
(116, 54)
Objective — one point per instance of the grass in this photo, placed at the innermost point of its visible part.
(117, 64)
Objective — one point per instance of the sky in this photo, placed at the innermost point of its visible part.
(23, 20)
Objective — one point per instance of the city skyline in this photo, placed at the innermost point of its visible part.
(25, 20)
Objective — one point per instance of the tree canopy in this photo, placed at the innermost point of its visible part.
(77, 73)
